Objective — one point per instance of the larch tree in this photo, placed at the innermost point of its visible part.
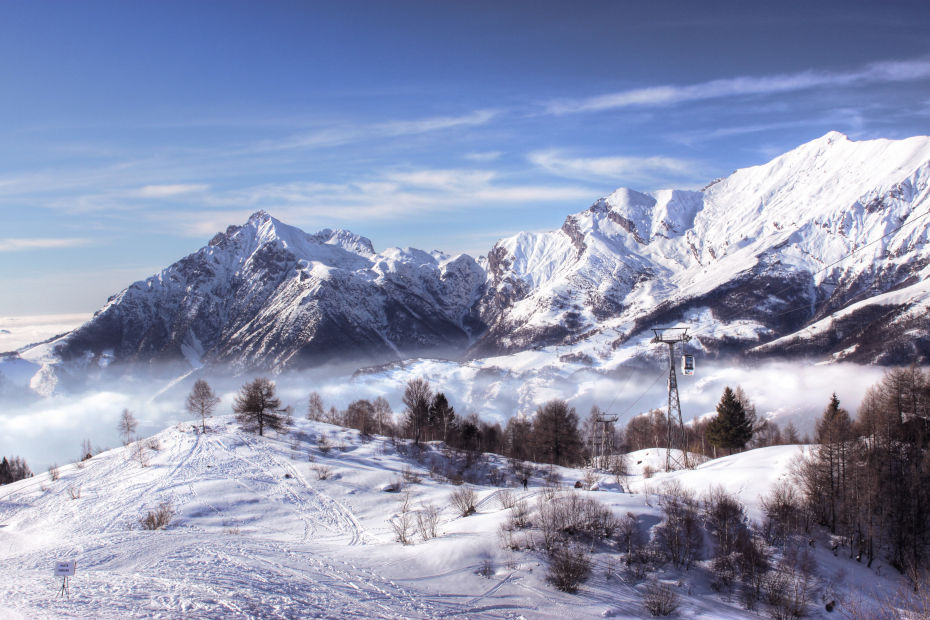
(13, 469)
(383, 415)
(315, 409)
(441, 415)
(127, 426)
(417, 397)
(555, 434)
(202, 401)
(257, 407)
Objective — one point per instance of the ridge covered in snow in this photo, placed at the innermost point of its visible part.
(821, 253)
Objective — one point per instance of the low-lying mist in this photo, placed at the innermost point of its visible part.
(50, 430)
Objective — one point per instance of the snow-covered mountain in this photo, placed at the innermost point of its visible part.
(268, 295)
(787, 258)
(821, 252)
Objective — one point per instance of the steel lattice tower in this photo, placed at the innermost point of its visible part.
(672, 336)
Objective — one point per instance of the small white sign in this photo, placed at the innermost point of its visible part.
(65, 569)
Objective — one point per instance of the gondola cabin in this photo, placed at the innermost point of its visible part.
(687, 364)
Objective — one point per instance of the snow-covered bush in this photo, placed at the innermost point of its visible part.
(679, 536)
(402, 525)
(323, 472)
(784, 513)
(660, 599)
(158, 518)
(463, 500)
(569, 566)
(428, 521)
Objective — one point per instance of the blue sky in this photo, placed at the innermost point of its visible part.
(130, 132)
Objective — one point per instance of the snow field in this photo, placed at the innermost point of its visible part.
(259, 532)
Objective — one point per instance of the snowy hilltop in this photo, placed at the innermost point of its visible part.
(323, 522)
(821, 253)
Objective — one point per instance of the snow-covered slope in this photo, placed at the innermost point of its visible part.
(278, 527)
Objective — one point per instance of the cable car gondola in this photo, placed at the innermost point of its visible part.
(687, 364)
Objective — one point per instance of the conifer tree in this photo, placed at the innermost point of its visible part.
(257, 407)
(731, 428)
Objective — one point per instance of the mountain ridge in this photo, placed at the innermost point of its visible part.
(754, 264)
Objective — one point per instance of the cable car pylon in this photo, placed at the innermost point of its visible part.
(672, 336)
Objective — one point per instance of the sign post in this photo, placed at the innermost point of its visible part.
(65, 570)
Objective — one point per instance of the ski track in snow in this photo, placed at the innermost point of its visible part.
(256, 536)
(189, 572)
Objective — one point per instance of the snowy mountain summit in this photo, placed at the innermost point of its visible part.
(820, 252)
(268, 295)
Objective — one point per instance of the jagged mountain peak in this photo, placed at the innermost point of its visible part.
(262, 229)
(746, 258)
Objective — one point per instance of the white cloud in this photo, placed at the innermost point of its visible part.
(21, 245)
(390, 195)
(484, 156)
(895, 71)
(166, 191)
(643, 169)
(347, 134)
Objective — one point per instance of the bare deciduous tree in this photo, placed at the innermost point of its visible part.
(417, 398)
(315, 407)
(202, 401)
(127, 426)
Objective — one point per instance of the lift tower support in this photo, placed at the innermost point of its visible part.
(672, 336)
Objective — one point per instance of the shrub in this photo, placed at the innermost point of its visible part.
(323, 472)
(679, 536)
(569, 566)
(53, 472)
(506, 498)
(463, 500)
(520, 514)
(410, 476)
(428, 521)
(394, 486)
(158, 518)
(725, 519)
(590, 480)
(784, 514)
(74, 492)
(403, 528)
(660, 599)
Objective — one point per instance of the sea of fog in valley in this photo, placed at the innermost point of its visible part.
(50, 430)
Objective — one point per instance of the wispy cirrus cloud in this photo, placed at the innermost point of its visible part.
(616, 168)
(881, 72)
(21, 245)
(483, 156)
(167, 191)
(391, 195)
(351, 133)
